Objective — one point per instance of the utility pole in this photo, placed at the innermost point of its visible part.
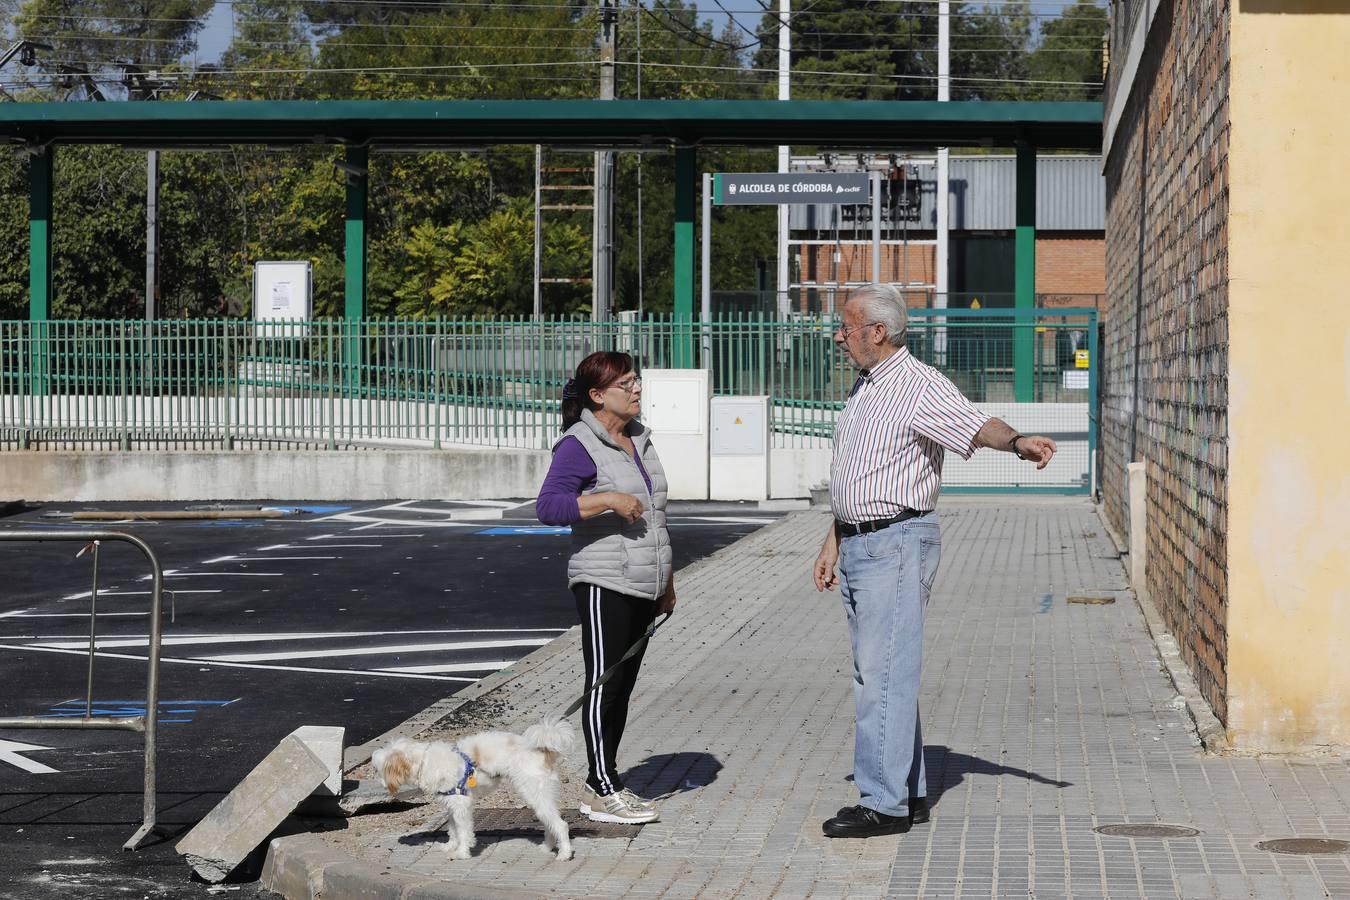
(784, 157)
(142, 87)
(944, 87)
(151, 235)
(602, 266)
(538, 232)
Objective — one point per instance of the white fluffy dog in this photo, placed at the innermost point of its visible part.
(452, 772)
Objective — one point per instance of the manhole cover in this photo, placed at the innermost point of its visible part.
(1146, 831)
(1305, 846)
(504, 821)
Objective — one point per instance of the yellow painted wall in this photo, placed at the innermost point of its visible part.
(1289, 376)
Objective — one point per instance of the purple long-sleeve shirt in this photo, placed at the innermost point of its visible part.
(571, 475)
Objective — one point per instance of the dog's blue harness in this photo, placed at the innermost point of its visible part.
(466, 781)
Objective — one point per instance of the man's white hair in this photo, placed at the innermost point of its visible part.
(883, 304)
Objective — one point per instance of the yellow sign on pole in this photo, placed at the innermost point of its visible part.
(1080, 359)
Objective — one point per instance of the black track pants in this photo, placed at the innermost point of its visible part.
(610, 623)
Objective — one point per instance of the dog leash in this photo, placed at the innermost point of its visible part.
(609, 673)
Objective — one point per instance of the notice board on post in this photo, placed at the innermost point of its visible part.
(282, 291)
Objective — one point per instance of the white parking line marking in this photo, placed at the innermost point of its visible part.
(28, 615)
(174, 573)
(59, 642)
(324, 537)
(190, 661)
(247, 559)
(331, 546)
(492, 666)
(85, 595)
(381, 650)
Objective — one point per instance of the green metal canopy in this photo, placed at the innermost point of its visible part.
(685, 125)
(617, 123)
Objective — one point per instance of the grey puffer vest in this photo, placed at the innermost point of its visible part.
(607, 551)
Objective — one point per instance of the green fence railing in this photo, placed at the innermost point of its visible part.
(491, 382)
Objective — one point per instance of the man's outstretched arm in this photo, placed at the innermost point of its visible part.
(999, 435)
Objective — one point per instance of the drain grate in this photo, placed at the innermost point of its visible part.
(1147, 831)
(512, 822)
(1305, 846)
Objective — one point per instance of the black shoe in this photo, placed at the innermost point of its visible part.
(918, 811)
(861, 822)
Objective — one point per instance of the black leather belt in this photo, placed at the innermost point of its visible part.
(848, 530)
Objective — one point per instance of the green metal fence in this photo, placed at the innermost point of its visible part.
(338, 384)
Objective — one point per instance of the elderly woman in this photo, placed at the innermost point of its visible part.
(606, 482)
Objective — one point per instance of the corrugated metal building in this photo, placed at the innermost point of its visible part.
(1070, 196)
(832, 243)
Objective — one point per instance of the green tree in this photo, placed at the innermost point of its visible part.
(1070, 50)
(99, 37)
(846, 50)
(271, 44)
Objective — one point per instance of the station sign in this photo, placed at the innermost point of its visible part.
(772, 188)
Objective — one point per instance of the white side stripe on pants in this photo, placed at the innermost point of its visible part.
(597, 723)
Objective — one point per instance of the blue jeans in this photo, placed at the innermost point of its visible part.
(885, 578)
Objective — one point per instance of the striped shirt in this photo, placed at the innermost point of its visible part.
(889, 440)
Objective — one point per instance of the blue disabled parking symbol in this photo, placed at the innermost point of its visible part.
(171, 712)
(526, 529)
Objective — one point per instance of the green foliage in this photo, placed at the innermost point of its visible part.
(452, 233)
(1070, 51)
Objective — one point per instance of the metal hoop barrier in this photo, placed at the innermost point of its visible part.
(145, 723)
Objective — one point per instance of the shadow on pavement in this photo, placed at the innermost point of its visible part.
(947, 768)
(666, 774)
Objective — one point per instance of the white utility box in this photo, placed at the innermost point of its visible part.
(675, 408)
(739, 458)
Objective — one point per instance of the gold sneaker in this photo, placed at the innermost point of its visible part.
(620, 807)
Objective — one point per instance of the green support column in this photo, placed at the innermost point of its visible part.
(686, 205)
(1024, 278)
(40, 239)
(354, 309)
(40, 235)
(359, 158)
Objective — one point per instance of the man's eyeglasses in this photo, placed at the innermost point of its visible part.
(848, 331)
(628, 385)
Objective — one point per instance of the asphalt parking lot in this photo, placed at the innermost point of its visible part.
(351, 614)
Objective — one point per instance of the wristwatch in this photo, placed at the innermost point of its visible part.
(1012, 445)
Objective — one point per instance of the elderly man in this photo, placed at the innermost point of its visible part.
(900, 417)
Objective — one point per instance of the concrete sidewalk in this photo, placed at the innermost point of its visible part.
(1043, 719)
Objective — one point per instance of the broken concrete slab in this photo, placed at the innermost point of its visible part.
(325, 742)
(253, 810)
(372, 792)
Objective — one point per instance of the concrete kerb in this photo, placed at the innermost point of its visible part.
(303, 867)
(1213, 737)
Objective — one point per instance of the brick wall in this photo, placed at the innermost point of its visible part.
(1069, 263)
(1166, 324)
(855, 263)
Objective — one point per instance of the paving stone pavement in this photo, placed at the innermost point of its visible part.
(1042, 719)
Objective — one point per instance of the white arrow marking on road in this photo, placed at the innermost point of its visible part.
(10, 750)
